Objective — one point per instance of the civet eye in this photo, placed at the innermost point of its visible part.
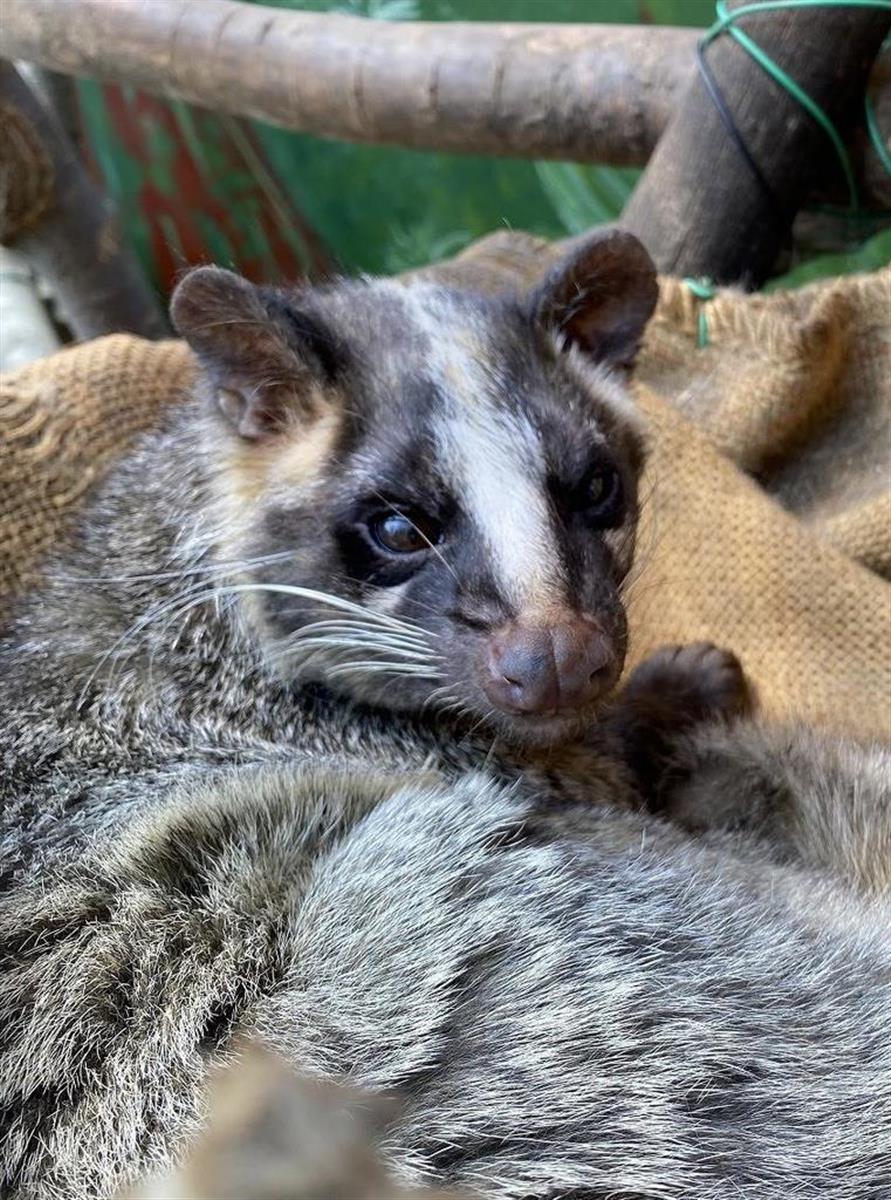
(404, 533)
(601, 495)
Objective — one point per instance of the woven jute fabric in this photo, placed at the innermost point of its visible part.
(766, 524)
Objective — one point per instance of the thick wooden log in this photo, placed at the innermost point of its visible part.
(589, 93)
(75, 243)
(699, 206)
(599, 93)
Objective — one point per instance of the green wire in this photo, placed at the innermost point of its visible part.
(876, 136)
(702, 289)
(725, 18)
(726, 21)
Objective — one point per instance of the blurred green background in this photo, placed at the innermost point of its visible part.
(193, 186)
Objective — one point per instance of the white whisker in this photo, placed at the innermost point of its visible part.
(361, 629)
(352, 627)
(159, 576)
(333, 601)
(363, 644)
(377, 667)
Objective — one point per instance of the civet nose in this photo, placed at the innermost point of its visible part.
(540, 669)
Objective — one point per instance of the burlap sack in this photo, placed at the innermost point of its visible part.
(767, 523)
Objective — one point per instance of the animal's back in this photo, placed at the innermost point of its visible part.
(585, 1001)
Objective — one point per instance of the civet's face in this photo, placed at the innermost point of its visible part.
(438, 490)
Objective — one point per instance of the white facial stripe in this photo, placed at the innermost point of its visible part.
(493, 459)
(496, 466)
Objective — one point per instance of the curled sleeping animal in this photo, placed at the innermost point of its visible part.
(312, 736)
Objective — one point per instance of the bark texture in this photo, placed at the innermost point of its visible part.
(699, 206)
(587, 92)
(74, 243)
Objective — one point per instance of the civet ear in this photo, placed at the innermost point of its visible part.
(265, 358)
(601, 297)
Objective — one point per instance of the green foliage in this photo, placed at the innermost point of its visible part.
(870, 256)
(699, 13)
(380, 10)
(374, 206)
(582, 196)
(383, 209)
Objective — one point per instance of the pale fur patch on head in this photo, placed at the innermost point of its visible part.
(288, 465)
(386, 600)
(251, 472)
(493, 457)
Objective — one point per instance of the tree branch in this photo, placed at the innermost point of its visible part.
(699, 205)
(599, 93)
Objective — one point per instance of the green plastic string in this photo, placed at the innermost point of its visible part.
(702, 289)
(875, 135)
(726, 23)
